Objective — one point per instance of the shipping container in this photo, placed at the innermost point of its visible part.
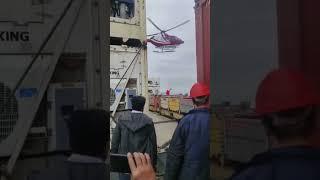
(216, 138)
(157, 103)
(127, 64)
(170, 106)
(244, 137)
(202, 16)
(47, 72)
(164, 103)
(154, 103)
(174, 103)
(164, 106)
(151, 103)
(186, 105)
(128, 56)
(152, 100)
(236, 130)
(234, 80)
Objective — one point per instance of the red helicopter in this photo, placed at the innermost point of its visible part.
(164, 41)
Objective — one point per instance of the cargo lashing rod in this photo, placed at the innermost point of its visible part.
(5, 172)
(118, 99)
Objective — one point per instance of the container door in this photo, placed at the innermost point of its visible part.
(245, 50)
(66, 100)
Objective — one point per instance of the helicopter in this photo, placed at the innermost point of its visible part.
(164, 41)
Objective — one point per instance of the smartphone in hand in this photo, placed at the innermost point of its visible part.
(119, 163)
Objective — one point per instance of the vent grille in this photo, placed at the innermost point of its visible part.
(8, 112)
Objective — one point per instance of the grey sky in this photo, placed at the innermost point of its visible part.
(176, 70)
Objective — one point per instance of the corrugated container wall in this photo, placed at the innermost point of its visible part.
(299, 40)
(202, 16)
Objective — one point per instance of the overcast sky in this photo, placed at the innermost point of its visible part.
(176, 70)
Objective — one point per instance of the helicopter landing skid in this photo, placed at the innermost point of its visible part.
(164, 51)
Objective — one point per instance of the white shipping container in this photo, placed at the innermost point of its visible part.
(127, 71)
(127, 34)
(44, 43)
(164, 103)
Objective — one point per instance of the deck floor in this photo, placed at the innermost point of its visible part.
(164, 127)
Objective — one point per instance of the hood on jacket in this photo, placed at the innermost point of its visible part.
(134, 121)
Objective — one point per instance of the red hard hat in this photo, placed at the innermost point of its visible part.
(285, 89)
(199, 89)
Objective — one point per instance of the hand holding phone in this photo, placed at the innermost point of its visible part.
(141, 167)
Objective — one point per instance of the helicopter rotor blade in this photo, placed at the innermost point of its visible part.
(155, 25)
(153, 34)
(185, 22)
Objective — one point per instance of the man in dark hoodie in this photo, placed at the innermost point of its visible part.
(135, 132)
(88, 134)
(188, 154)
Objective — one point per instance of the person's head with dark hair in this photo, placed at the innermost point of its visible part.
(89, 132)
(138, 103)
(293, 124)
(201, 101)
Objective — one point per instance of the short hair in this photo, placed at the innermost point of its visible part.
(138, 103)
(89, 132)
(287, 125)
(202, 100)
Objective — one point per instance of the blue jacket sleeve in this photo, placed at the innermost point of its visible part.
(175, 154)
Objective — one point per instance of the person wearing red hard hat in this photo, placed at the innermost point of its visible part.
(188, 154)
(199, 90)
(200, 93)
(287, 102)
(283, 90)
